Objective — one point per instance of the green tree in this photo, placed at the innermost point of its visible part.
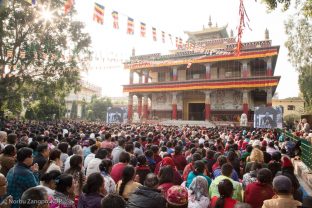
(74, 110)
(84, 109)
(37, 52)
(299, 42)
(97, 109)
(305, 6)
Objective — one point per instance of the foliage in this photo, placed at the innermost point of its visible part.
(299, 42)
(305, 84)
(46, 55)
(97, 109)
(84, 109)
(74, 110)
(45, 110)
(305, 6)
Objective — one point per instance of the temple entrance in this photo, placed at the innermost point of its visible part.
(196, 111)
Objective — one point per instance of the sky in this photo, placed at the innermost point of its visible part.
(111, 47)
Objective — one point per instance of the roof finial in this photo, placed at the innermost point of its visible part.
(209, 23)
(266, 34)
(232, 33)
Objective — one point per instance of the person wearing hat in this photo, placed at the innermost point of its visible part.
(283, 189)
(177, 197)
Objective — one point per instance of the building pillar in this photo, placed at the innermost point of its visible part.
(208, 69)
(175, 73)
(145, 107)
(131, 77)
(269, 97)
(140, 77)
(244, 72)
(130, 107)
(207, 105)
(146, 75)
(269, 71)
(174, 106)
(139, 105)
(245, 102)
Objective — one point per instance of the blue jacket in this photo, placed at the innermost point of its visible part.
(20, 178)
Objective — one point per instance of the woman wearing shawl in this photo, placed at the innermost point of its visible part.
(177, 179)
(198, 193)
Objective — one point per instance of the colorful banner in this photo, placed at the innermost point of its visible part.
(98, 15)
(130, 26)
(143, 29)
(115, 17)
(154, 34)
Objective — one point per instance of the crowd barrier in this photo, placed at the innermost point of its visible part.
(306, 148)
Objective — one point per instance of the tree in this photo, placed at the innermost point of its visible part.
(305, 6)
(83, 109)
(97, 109)
(74, 110)
(38, 52)
(299, 43)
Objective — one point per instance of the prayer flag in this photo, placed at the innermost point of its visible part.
(33, 2)
(154, 34)
(163, 36)
(115, 17)
(170, 37)
(98, 15)
(130, 24)
(143, 29)
(177, 42)
(68, 6)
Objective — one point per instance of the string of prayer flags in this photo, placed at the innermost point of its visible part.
(98, 15)
(177, 42)
(130, 29)
(115, 17)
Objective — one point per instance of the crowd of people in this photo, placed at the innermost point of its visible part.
(82, 165)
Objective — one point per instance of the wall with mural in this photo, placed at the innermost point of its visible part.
(163, 101)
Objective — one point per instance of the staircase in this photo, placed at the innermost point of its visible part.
(207, 124)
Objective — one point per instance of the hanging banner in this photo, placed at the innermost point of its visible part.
(130, 26)
(115, 18)
(98, 15)
(154, 34)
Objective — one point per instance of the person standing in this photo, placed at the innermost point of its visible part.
(23, 175)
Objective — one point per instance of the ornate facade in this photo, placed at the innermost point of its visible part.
(204, 79)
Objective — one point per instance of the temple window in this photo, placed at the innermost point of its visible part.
(161, 76)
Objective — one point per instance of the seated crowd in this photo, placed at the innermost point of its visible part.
(83, 165)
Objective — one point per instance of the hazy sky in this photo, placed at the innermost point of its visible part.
(174, 17)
